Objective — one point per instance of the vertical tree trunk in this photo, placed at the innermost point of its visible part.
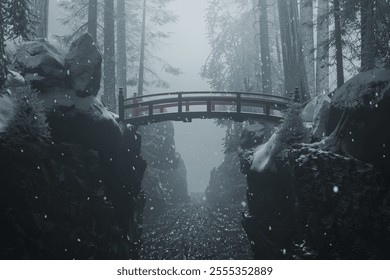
(338, 42)
(92, 18)
(277, 35)
(264, 48)
(367, 35)
(322, 72)
(109, 56)
(3, 58)
(142, 54)
(41, 10)
(293, 63)
(257, 67)
(306, 20)
(121, 45)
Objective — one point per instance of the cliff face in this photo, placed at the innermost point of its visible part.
(329, 199)
(70, 173)
(165, 179)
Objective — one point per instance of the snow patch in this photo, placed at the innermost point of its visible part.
(263, 154)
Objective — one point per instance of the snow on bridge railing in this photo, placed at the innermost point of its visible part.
(200, 104)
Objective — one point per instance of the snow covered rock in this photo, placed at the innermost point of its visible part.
(41, 64)
(364, 106)
(14, 79)
(83, 66)
(227, 184)
(342, 206)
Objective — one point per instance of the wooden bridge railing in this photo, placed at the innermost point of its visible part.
(179, 106)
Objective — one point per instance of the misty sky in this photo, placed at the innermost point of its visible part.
(199, 142)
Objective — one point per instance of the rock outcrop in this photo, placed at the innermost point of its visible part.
(82, 65)
(41, 64)
(329, 199)
(165, 179)
(74, 191)
(227, 183)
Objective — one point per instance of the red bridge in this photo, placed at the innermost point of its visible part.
(185, 106)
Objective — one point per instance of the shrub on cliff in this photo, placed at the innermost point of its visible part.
(27, 127)
(293, 131)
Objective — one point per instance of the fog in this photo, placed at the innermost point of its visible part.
(199, 142)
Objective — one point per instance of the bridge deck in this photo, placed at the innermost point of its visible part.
(185, 106)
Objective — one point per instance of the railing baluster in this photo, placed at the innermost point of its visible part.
(150, 110)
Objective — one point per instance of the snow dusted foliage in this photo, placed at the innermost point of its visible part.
(365, 89)
(27, 123)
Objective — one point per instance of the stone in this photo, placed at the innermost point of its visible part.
(41, 64)
(364, 106)
(342, 206)
(83, 66)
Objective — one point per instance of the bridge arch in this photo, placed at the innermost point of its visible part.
(185, 106)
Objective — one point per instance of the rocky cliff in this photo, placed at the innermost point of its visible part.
(327, 199)
(70, 173)
(165, 179)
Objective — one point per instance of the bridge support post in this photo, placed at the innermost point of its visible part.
(267, 110)
(180, 103)
(121, 104)
(238, 103)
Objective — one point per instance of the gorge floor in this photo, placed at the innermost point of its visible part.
(195, 230)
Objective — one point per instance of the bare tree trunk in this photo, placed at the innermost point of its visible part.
(92, 18)
(322, 72)
(41, 10)
(264, 48)
(277, 35)
(121, 45)
(293, 62)
(307, 14)
(257, 67)
(339, 46)
(142, 55)
(109, 56)
(367, 35)
(3, 57)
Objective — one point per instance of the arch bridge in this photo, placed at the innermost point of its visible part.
(185, 106)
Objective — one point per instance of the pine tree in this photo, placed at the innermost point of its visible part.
(109, 79)
(121, 44)
(306, 21)
(41, 11)
(16, 20)
(322, 65)
(264, 47)
(293, 61)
